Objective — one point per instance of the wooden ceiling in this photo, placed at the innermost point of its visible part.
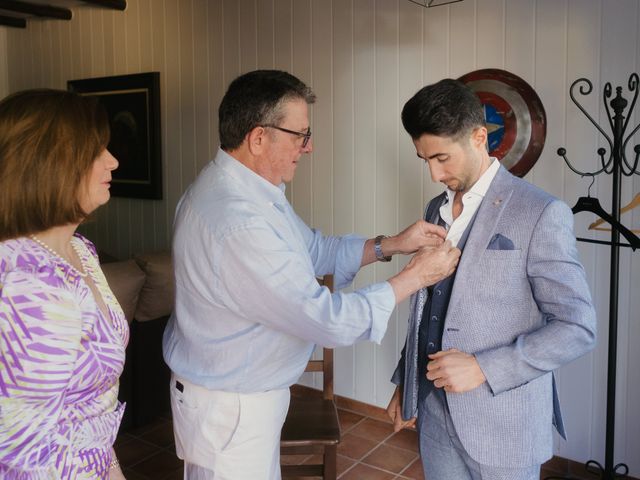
(18, 13)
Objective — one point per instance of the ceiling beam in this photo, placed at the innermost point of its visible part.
(13, 22)
(36, 9)
(112, 4)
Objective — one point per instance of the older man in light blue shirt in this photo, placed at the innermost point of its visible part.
(248, 306)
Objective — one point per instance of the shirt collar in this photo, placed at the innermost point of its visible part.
(261, 188)
(480, 188)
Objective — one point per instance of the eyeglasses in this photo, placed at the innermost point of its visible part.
(305, 136)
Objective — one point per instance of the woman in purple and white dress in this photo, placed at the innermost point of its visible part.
(62, 333)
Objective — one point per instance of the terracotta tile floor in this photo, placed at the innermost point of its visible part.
(369, 450)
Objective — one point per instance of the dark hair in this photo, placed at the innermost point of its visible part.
(447, 108)
(256, 98)
(49, 140)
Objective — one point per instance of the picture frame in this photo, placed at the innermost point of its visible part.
(132, 103)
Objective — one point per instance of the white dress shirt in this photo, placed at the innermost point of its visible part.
(470, 203)
(248, 307)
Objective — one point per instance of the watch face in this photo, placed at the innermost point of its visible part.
(515, 117)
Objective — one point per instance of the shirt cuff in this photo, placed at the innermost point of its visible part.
(382, 301)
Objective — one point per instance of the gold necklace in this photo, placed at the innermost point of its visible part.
(52, 251)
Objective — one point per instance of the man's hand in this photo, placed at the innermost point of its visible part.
(455, 371)
(428, 266)
(419, 235)
(394, 410)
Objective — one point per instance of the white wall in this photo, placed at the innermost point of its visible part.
(365, 58)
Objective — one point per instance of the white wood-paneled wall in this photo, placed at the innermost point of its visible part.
(364, 59)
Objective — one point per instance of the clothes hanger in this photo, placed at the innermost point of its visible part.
(592, 204)
(633, 204)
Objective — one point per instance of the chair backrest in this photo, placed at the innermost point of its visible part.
(325, 365)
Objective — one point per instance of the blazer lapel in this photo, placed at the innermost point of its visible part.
(488, 216)
(431, 215)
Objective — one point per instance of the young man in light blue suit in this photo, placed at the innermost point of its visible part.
(477, 367)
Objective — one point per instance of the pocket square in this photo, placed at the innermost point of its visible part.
(500, 242)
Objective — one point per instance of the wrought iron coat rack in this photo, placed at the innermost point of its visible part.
(616, 165)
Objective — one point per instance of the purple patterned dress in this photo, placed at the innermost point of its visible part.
(60, 360)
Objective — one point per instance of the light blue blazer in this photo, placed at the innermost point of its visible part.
(521, 304)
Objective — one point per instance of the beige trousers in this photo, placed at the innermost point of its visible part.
(227, 435)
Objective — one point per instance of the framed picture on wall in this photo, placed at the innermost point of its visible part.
(132, 103)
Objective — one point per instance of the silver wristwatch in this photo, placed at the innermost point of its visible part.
(377, 247)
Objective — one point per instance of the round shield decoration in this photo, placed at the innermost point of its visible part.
(515, 118)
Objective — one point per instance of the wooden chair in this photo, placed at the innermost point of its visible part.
(312, 424)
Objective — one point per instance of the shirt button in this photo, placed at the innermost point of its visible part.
(434, 318)
(438, 292)
(431, 346)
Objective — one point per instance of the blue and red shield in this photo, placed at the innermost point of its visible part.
(515, 117)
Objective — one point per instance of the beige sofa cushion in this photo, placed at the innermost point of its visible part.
(158, 292)
(126, 280)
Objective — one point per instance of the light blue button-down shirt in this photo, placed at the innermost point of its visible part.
(248, 307)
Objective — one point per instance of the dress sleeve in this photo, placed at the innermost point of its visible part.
(40, 331)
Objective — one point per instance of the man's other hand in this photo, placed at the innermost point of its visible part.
(428, 266)
(419, 235)
(455, 371)
(394, 410)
